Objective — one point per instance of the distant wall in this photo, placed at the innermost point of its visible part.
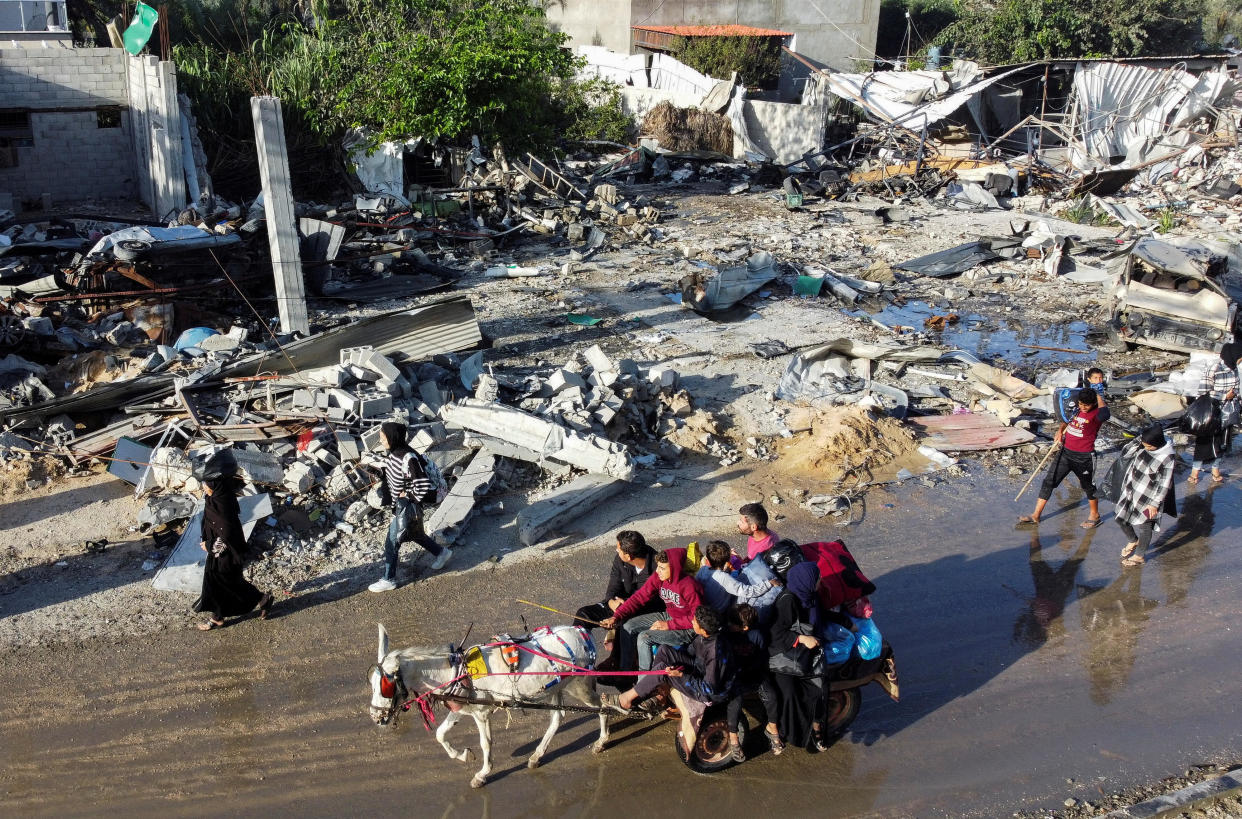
(70, 150)
(593, 22)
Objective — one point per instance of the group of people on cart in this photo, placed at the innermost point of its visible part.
(777, 621)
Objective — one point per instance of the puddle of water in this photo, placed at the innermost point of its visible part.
(990, 338)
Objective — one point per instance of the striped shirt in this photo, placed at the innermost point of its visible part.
(1218, 379)
(405, 475)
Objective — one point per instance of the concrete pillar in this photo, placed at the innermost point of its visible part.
(282, 235)
(166, 140)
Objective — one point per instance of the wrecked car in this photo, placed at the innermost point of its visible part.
(1175, 297)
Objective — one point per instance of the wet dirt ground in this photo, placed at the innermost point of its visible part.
(1034, 668)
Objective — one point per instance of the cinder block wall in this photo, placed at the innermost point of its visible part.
(72, 157)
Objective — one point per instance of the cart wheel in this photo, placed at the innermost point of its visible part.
(842, 709)
(711, 748)
(12, 331)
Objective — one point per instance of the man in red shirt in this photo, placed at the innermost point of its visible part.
(1077, 456)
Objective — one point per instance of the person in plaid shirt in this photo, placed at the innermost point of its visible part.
(1144, 491)
(1221, 382)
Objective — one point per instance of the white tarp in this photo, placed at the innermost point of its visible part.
(380, 171)
(1135, 112)
(623, 69)
(669, 74)
(913, 99)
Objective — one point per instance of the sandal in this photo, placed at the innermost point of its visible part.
(1027, 520)
(1091, 523)
(210, 624)
(682, 746)
(1194, 478)
(1128, 549)
(1218, 479)
(819, 744)
(1133, 560)
(265, 605)
(774, 740)
(736, 753)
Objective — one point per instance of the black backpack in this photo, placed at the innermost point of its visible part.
(782, 557)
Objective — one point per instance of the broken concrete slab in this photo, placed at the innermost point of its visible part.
(450, 518)
(565, 504)
(589, 452)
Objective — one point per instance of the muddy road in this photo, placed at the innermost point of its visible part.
(1033, 668)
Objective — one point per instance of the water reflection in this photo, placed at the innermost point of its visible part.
(1113, 617)
(1184, 554)
(1041, 620)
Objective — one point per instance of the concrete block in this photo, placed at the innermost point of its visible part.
(303, 399)
(431, 396)
(259, 467)
(379, 363)
(563, 379)
(428, 436)
(347, 447)
(574, 231)
(450, 518)
(606, 194)
(567, 504)
(390, 387)
(605, 414)
(344, 399)
(325, 376)
(354, 355)
(298, 478)
(372, 402)
(362, 373)
(372, 440)
(662, 377)
(598, 359)
(603, 379)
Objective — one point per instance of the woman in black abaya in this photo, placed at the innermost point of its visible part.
(794, 623)
(226, 593)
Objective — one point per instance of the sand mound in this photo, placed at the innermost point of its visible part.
(845, 444)
(689, 129)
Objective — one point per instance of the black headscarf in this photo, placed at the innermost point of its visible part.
(801, 582)
(1230, 353)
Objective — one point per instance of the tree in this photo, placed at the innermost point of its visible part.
(1026, 30)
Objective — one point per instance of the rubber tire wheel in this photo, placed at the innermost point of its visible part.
(711, 748)
(842, 710)
(12, 331)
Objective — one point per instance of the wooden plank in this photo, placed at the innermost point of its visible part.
(967, 432)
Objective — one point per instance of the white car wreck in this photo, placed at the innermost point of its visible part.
(1176, 296)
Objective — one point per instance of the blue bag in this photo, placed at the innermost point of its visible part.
(838, 643)
(1066, 402)
(867, 636)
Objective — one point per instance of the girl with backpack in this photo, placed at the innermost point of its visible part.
(408, 481)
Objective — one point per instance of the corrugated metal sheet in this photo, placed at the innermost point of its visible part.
(415, 334)
(412, 334)
(1133, 111)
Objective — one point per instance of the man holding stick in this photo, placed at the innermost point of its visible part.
(1077, 456)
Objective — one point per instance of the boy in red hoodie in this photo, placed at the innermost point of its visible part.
(680, 594)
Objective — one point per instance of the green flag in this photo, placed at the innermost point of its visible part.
(140, 28)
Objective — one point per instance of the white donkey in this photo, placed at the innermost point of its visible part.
(409, 673)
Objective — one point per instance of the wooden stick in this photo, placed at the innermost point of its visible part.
(1055, 349)
(558, 611)
(1038, 469)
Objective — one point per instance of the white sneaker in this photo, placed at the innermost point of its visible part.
(445, 555)
(382, 585)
